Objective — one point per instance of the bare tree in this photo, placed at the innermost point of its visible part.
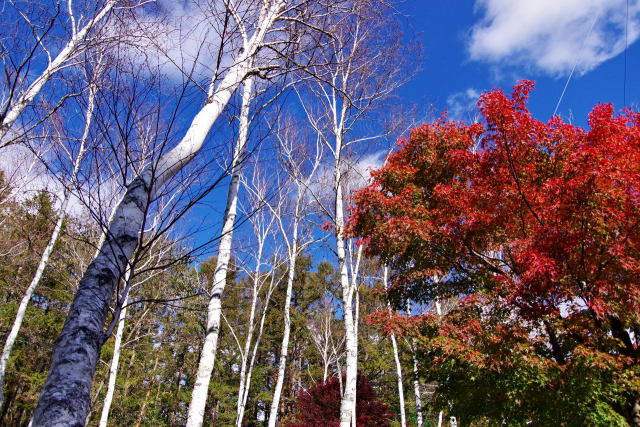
(160, 253)
(264, 27)
(214, 308)
(262, 223)
(322, 330)
(301, 163)
(84, 25)
(363, 72)
(76, 160)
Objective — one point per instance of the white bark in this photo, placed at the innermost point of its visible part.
(355, 334)
(243, 388)
(351, 353)
(78, 37)
(46, 254)
(256, 345)
(65, 397)
(115, 360)
(208, 353)
(284, 349)
(416, 390)
(396, 358)
(416, 378)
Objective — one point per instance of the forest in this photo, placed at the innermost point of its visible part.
(222, 212)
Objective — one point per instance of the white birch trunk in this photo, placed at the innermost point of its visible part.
(115, 360)
(284, 349)
(351, 352)
(355, 334)
(416, 378)
(65, 397)
(208, 353)
(439, 313)
(65, 54)
(243, 388)
(416, 390)
(396, 357)
(256, 345)
(46, 254)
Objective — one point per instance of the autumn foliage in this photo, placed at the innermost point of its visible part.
(319, 406)
(531, 231)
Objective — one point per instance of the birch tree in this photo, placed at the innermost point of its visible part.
(262, 223)
(416, 376)
(65, 397)
(364, 71)
(161, 252)
(396, 358)
(76, 161)
(301, 163)
(84, 26)
(207, 355)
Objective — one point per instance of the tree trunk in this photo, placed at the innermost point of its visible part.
(284, 349)
(256, 345)
(208, 353)
(117, 348)
(355, 334)
(351, 352)
(65, 397)
(396, 357)
(416, 378)
(46, 254)
(243, 388)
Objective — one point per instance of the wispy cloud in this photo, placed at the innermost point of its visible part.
(182, 37)
(462, 106)
(552, 36)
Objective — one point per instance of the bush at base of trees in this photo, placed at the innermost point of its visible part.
(320, 406)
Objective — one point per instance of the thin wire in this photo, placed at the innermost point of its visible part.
(578, 59)
(626, 48)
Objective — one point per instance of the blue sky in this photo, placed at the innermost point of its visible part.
(473, 46)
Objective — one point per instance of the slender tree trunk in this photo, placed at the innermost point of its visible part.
(416, 391)
(439, 313)
(256, 345)
(243, 387)
(117, 348)
(351, 352)
(65, 54)
(65, 397)
(416, 378)
(208, 353)
(284, 349)
(396, 357)
(46, 254)
(355, 334)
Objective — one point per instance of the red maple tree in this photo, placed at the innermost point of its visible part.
(532, 226)
(319, 406)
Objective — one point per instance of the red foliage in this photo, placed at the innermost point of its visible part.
(320, 406)
(552, 210)
(533, 227)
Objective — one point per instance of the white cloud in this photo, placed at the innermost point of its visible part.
(180, 36)
(552, 35)
(462, 106)
(27, 176)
